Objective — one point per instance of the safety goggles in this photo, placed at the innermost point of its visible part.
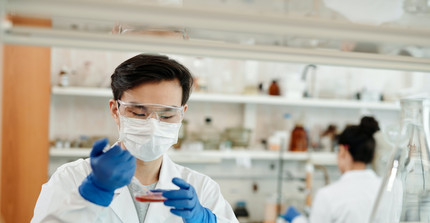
(163, 113)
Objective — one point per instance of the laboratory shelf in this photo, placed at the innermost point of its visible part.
(221, 20)
(220, 49)
(246, 99)
(82, 91)
(320, 158)
(70, 152)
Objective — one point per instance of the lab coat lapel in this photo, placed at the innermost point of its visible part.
(158, 212)
(167, 173)
(123, 206)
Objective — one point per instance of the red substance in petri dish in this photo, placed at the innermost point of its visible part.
(150, 198)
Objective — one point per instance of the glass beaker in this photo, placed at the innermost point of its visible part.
(404, 195)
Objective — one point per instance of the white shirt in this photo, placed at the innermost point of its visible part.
(350, 199)
(60, 201)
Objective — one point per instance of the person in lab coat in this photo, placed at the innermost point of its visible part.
(150, 98)
(351, 198)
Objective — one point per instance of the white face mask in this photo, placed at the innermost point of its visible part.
(147, 139)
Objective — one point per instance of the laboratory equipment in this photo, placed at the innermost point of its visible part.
(310, 89)
(274, 88)
(239, 136)
(404, 195)
(299, 139)
(210, 136)
(142, 194)
(328, 138)
(150, 197)
(276, 140)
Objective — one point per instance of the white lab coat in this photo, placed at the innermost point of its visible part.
(60, 201)
(350, 199)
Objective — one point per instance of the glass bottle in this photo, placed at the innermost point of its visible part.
(274, 88)
(210, 136)
(404, 195)
(299, 139)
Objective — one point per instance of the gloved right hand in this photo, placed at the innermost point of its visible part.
(291, 213)
(110, 170)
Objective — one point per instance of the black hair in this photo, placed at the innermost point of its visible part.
(359, 139)
(145, 68)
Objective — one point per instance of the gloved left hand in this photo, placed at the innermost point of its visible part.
(291, 214)
(186, 204)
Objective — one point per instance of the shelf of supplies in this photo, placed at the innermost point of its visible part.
(321, 158)
(246, 99)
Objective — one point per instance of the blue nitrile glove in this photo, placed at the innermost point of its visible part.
(186, 204)
(110, 170)
(291, 213)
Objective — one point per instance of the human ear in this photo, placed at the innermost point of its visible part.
(114, 110)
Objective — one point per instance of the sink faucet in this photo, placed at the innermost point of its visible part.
(309, 90)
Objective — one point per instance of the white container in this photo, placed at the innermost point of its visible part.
(294, 87)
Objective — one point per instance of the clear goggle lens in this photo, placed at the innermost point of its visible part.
(162, 113)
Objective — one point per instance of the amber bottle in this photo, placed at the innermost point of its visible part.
(274, 88)
(299, 141)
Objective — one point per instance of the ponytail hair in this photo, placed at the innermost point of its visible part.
(359, 139)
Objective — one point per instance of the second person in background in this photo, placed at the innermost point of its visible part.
(351, 198)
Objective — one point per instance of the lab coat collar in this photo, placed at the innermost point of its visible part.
(126, 213)
(168, 171)
(158, 212)
(358, 174)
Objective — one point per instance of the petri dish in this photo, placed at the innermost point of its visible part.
(150, 197)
